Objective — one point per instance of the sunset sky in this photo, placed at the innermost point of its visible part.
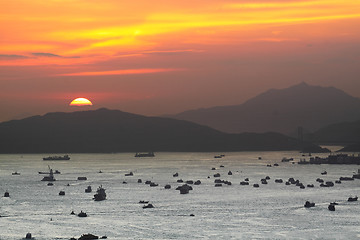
(165, 56)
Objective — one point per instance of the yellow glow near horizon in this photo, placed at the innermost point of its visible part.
(81, 102)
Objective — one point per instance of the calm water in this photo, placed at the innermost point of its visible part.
(272, 211)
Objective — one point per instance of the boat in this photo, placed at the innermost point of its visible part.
(284, 159)
(49, 178)
(54, 158)
(88, 237)
(331, 207)
(28, 236)
(148, 206)
(88, 189)
(6, 194)
(309, 204)
(15, 173)
(55, 172)
(149, 154)
(100, 194)
(352, 199)
(357, 175)
(82, 214)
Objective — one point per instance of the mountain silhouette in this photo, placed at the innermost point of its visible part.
(106, 130)
(344, 133)
(284, 110)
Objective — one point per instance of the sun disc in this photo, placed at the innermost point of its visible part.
(81, 102)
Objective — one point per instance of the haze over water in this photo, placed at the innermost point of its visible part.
(272, 211)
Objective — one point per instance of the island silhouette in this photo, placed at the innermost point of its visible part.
(105, 131)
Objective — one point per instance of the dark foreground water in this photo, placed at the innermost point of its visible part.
(272, 211)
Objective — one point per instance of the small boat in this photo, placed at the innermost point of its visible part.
(217, 156)
(352, 199)
(55, 172)
(82, 214)
(15, 173)
(357, 175)
(309, 204)
(331, 207)
(149, 154)
(286, 159)
(49, 178)
(28, 236)
(324, 173)
(152, 184)
(56, 158)
(100, 194)
(143, 202)
(129, 174)
(62, 193)
(148, 206)
(184, 189)
(88, 189)
(88, 237)
(6, 194)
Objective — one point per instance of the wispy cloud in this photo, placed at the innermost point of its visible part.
(45, 55)
(172, 52)
(52, 55)
(123, 72)
(12, 56)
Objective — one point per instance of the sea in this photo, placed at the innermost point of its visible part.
(271, 211)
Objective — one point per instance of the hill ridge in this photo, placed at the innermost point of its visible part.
(107, 130)
(280, 110)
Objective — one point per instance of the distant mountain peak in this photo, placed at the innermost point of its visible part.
(281, 110)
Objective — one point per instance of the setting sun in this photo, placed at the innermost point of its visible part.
(81, 102)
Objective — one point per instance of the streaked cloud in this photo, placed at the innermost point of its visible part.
(112, 27)
(46, 55)
(12, 56)
(173, 52)
(123, 72)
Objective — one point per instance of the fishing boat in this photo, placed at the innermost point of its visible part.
(49, 178)
(100, 194)
(149, 154)
(55, 158)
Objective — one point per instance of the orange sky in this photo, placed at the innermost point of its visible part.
(158, 57)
